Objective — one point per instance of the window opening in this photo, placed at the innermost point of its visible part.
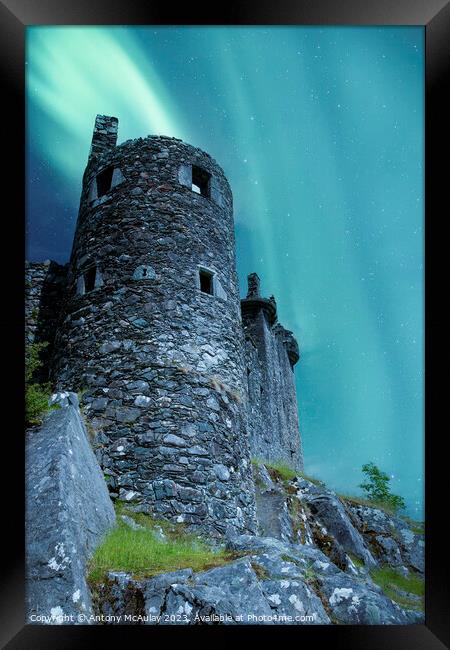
(201, 181)
(206, 282)
(89, 279)
(104, 181)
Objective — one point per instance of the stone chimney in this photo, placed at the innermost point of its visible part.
(253, 285)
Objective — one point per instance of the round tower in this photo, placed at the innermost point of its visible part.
(151, 331)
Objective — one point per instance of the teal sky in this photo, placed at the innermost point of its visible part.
(320, 133)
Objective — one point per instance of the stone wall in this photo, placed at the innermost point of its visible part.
(161, 361)
(44, 290)
(271, 353)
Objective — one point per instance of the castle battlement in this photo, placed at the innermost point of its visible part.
(183, 382)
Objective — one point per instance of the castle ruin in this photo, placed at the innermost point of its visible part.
(183, 383)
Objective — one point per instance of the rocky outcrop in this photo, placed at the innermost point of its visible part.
(393, 540)
(271, 507)
(312, 563)
(274, 583)
(68, 510)
(330, 513)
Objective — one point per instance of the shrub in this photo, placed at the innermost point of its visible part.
(36, 403)
(377, 488)
(33, 359)
(36, 394)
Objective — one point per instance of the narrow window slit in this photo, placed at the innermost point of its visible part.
(89, 279)
(104, 181)
(206, 282)
(201, 181)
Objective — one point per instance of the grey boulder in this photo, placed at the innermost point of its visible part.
(68, 510)
(331, 513)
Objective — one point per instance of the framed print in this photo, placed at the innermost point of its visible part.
(227, 229)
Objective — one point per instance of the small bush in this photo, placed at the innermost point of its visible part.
(377, 488)
(36, 394)
(33, 359)
(36, 403)
(81, 393)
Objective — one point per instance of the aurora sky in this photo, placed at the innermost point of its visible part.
(320, 133)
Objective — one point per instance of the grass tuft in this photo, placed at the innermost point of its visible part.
(260, 571)
(360, 501)
(356, 560)
(142, 554)
(311, 479)
(283, 471)
(417, 527)
(277, 470)
(391, 581)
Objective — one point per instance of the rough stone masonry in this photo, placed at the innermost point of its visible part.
(182, 381)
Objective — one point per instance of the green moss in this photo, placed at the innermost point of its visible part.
(260, 571)
(81, 393)
(142, 554)
(310, 574)
(298, 526)
(356, 560)
(391, 581)
(292, 560)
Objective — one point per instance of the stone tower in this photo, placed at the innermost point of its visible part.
(151, 331)
(271, 354)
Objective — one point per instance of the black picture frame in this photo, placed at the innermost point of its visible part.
(15, 16)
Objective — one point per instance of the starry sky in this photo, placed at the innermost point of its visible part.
(320, 133)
